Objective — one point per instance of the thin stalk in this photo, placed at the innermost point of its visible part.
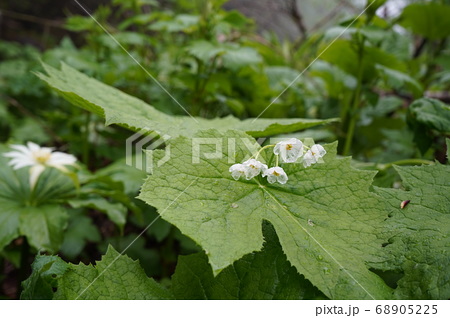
(86, 139)
(404, 162)
(260, 150)
(356, 101)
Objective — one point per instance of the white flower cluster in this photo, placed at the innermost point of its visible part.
(289, 151)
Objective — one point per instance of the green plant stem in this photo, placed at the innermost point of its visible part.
(260, 150)
(356, 101)
(269, 163)
(86, 139)
(404, 162)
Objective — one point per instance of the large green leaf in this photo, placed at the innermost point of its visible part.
(120, 108)
(262, 275)
(420, 241)
(116, 276)
(427, 19)
(325, 217)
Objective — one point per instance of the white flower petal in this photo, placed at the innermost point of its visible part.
(276, 174)
(18, 163)
(35, 172)
(22, 149)
(237, 170)
(277, 148)
(289, 150)
(318, 151)
(253, 168)
(309, 159)
(33, 147)
(59, 158)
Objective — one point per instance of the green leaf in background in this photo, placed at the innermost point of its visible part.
(181, 22)
(9, 223)
(78, 23)
(397, 80)
(426, 118)
(46, 270)
(420, 240)
(336, 79)
(130, 176)
(262, 275)
(124, 38)
(373, 34)
(79, 231)
(236, 19)
(432, 113)
(120, 108)
(325, 217)
(205, 51)
(344, 54)
(116, 212)
(43, 226)
(236, 57)
(427, 19)
(114, 277)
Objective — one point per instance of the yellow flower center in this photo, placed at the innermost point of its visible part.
(288, 146)
(42, 156)
(275, 173)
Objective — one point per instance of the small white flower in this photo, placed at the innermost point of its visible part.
(289, 150)
(238, 170)
(254, 168)
(38, 158)
(313, 155)
(276, 174)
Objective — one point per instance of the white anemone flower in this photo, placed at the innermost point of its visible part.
(253, 168)
(276, 174)
(289, 150)
(238, 170)
(38, 158)
(313, 155)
